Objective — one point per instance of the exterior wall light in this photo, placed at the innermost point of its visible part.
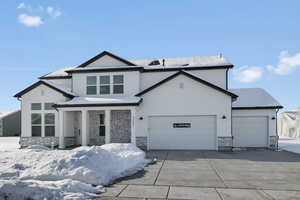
(223, 117)
(273, 118)
(141, 118)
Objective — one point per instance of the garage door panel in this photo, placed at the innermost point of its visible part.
(200, 134)
(250, 131)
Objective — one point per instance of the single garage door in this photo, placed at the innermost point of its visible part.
(182, 132)
(250, 131)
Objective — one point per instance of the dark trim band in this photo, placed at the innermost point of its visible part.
(106, 70)
(190, 76)
(95, 105)
(257, 107)
(54, 77)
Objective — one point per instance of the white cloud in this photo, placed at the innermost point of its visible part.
(248, 74)
(24, 6)
(53, 12)
(30, 21)
(287, 63)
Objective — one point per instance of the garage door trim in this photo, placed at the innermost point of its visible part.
(247, 116)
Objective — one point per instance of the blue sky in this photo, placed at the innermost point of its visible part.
(261, 38)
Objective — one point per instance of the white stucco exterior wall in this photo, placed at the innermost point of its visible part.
(270, 113)
(131, 82)
(193, 99)
(106, 61)
(41, 94)
(214, 76)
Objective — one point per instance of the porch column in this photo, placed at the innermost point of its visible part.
(84, 141)
(107, 126)
(132, 123)
(61, 129)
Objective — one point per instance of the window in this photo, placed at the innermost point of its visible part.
(91, 85)
(36, 125)
(36, 106)
(104, 84)
(49, 124)
(118, 84)
(102, 125)
(49, 106)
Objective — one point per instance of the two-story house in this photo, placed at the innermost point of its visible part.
(168, 103)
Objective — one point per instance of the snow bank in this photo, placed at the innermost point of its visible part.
(9, 143)
(40, 168)
(289, 144)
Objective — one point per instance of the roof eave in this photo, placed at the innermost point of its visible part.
(256, 107)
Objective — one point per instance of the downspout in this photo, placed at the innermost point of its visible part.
(277, 137)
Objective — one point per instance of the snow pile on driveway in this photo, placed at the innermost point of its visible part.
(289, 144)
(39, 171)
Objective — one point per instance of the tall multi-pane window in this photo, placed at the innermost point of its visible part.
(104, 84)
(91, 85)
(36, 124)
(42, 120)
(49, 124)
(118, 84)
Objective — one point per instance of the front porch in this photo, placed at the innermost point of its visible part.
(86, 126)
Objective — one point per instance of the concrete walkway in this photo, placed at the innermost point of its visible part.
(207, 175)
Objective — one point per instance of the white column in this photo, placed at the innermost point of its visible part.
(84, 141)
(61, 129)
(133, 122)
(107, 126)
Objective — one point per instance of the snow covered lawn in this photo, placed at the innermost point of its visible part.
(289, 144)
(38, 172)
(9, 143)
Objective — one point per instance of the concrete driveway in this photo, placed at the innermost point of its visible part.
(259, 174)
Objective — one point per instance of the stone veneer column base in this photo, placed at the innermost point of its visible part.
(225, 143)
(44, 141)
(142, 142)
(273, 140)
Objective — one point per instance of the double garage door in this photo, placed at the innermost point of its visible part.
(199, 132)
(182, 132)
(250, 131)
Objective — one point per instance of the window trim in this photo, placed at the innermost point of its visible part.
(36, 125)
(93, 85)
(47, 124)
(117, 84)
(107, 84)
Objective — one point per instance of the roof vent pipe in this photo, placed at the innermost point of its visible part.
(221, 55)
(163, 61)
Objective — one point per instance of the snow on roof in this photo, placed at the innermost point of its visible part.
(253, 97)
(101, 100)
(58, 73)
(60, 87)
(196, 61)
(6, 113)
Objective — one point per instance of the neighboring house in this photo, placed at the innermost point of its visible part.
(289, 123)
(170, 103)
(10, 123)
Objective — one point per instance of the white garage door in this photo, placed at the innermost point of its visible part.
(250, 131)
(182, 132)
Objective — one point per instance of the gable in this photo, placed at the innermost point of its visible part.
(38, 86)
(106, 59)
(190, 76)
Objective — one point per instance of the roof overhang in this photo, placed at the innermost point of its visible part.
(257, 107)
(41, 82)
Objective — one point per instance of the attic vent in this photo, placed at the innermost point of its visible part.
(154, 62)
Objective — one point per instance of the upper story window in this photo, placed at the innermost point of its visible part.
(104, 84)
(118, 84)
(91, 85)
(36, 106)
